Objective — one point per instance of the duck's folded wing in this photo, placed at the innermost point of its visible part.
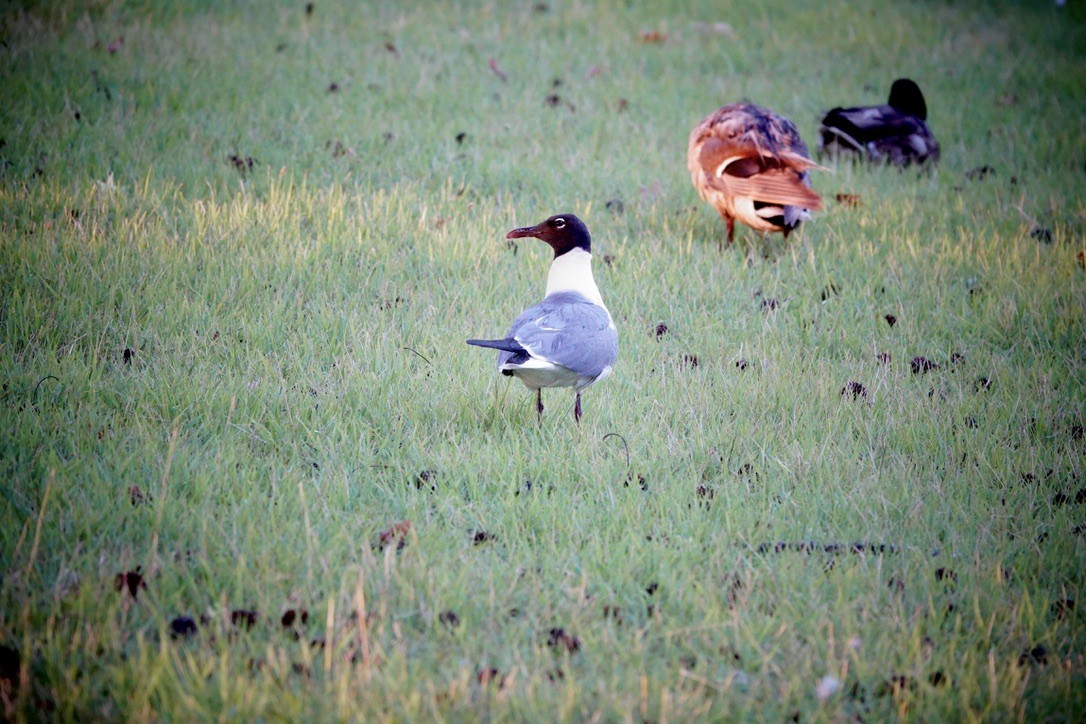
(568, 330)
(776, 186)
(740, 158)
(865, 124)
(742, 170)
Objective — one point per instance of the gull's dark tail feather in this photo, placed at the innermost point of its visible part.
(506, 345)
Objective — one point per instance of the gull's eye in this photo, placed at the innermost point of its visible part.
(559, 222)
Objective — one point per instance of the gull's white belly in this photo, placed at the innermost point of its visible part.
(536, 374)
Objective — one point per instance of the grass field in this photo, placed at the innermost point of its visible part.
(250, 470)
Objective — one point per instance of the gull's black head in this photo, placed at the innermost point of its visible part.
(905, 97)
(564, 232)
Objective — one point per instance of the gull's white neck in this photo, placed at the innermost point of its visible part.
(572, 272)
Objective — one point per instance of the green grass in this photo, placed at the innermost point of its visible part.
(298, 380)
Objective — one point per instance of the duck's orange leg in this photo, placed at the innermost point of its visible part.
(731, 231)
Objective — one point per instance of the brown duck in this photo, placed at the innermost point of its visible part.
(751, 165)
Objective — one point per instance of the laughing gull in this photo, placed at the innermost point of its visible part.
(751, 165)
(568, 339)
(895, 132)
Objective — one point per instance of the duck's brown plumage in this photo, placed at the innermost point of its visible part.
(751, 164)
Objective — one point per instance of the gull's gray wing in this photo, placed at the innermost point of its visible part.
(566, 329)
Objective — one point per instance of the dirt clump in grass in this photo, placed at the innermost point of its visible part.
(1036, 655)
(10, 663)
(1063, 608)
(704, 495)
(396, 535)
(131, 581)
(243, 618)
(294, 617)
(980, 173)
(479, 537)
(137, 496)
(1060, 498)
(561, 640)
(242, 164)
(922, 365)
(895, 686)
(854, 390)
(182, 627)
(426, 479)
(946, 576)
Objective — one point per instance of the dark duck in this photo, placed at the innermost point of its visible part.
(895, 132)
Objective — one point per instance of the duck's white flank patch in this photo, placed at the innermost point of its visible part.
(743, 207)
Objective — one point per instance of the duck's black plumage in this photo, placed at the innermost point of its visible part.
(896, 132)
